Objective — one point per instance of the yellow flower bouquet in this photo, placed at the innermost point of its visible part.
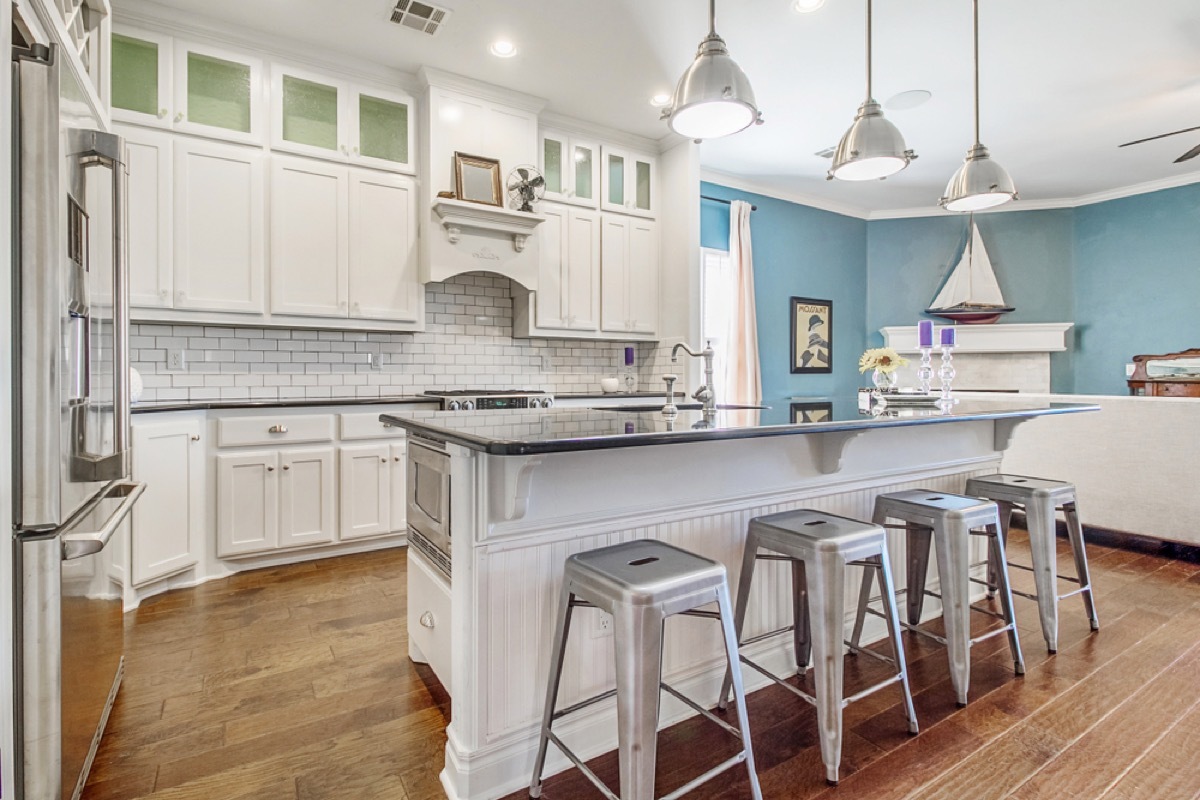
(883, 359)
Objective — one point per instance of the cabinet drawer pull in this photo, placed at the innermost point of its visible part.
(277, 429)
(427, 620)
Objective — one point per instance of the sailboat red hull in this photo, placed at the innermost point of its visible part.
(970, 315)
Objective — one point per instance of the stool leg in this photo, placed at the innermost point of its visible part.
(918, 569)
(1006, 599)
(1006, 512)
(561, 629)
(801, 631)
(826, 583)
(739, 693)
(637, 631)
(864, 600)
(888, 591)
(749, 560)
(951, 546)
(1040, 511)
(1081, 564)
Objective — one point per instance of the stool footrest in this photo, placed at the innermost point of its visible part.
(708, 776)
(910, 627)
(587, 773)
(698, 613)
(864, 651)
(766, 635)
(692, 704)
(990, 634)
(805, 696)
(987, 611)
(582, 704)
(1030, 569)
(1080, 590)
(1026, 595)
(871, 689)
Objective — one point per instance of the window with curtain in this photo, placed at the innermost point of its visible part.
(718, 292)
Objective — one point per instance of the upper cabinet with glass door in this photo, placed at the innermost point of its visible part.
(168, 83)
(322, 117)
(571, 167)
(627, 182)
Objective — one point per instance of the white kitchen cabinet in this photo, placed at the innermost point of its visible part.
(168, 522)
(141, 77)
(151, 282)
(365, 491)
(568, 295)
(571, 168)
(218, 227)
(398, 500)
(383, 282)
(310, 245)
(629, 275)
(307, 482)
(247, 502)
(627, 182)
(217, 92)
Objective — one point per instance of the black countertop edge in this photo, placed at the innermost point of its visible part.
(154, 406)
(501, 447)
(610, 395)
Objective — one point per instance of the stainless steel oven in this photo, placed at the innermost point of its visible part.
(428, 494)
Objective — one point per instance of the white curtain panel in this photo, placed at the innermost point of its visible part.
(741, 367)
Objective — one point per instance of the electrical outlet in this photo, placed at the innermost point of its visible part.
(545, 363)
(1129, 368)
(604, 625)
(175, 360)
(375, 360)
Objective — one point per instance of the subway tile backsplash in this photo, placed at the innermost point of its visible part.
(467, 344)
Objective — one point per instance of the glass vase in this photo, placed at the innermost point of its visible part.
(885, 382)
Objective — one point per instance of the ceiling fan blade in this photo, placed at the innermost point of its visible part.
(1160, 136)
(1189, 155)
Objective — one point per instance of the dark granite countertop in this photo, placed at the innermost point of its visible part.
(152, 406)
(570, 430)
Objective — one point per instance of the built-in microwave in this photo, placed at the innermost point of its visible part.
(428, 497)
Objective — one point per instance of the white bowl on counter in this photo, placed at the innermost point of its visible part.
(609, 385)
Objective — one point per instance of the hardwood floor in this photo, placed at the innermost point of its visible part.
(295, 683)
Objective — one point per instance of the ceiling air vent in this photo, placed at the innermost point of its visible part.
(422, 17)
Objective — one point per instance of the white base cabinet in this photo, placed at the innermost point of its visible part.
(307, 482)
(247, 503)
(169, 520)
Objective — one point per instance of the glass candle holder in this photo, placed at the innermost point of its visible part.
(946, 374)
(925, 371)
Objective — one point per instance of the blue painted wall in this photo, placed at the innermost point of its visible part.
(1137, 267)
(805, 252)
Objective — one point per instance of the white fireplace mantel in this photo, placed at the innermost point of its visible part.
(1030, 337)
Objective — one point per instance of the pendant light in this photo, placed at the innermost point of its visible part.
(980, 182)
(873, 148)
(713, 97)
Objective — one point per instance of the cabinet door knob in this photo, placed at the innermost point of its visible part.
(179, 117)
(383, 460)
(270, 468)
(164, 294)
(286, 467)
(195, 437)
(395, 458)
(427, 620)
(277, 429)
(344, 150)
(162, 113)
(355, 150)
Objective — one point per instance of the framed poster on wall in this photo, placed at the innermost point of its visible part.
(812, 336)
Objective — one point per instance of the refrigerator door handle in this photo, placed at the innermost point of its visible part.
(78, 545)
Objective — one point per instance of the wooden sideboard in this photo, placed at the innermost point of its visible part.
(1144, 385)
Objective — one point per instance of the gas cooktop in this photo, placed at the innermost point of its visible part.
(482, 392)
(491, 399)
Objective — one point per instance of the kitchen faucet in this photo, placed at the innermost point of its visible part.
(707, 393)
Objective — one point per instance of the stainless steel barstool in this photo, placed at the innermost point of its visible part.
(1040, 498)
(820, 547)
(946, 521)
(641, 583)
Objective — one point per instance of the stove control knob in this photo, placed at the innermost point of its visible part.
(455, 405)
(547, 402)
(468, 405)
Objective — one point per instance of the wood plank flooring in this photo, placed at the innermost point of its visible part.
(294, 683)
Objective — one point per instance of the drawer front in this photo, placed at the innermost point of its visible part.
(281, 429)
(366, 425)
(429, 616)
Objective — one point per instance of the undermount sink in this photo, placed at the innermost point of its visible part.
(642, 409)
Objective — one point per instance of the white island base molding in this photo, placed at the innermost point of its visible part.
(517, 518)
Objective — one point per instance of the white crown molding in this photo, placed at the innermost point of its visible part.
(561, 122)
(1027, 337)
(154, 17)
(429, 76)
(746, 185)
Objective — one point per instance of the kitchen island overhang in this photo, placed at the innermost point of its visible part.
(570, 486)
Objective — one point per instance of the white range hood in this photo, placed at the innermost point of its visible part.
(472, 237)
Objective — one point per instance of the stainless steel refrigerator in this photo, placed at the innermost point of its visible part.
(71, 432)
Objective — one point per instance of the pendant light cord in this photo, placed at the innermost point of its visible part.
(869, 50)
(712, 17)
(976, 15)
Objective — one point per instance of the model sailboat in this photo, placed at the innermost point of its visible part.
(971, 294)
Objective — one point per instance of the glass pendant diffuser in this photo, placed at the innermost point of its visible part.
(980, 182)
(713, 97)
(873, 148)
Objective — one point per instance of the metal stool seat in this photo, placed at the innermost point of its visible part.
(1040, 498)
(946, 522)
(820, 546)
(641, 583)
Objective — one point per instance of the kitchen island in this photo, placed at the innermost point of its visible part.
(529, 489)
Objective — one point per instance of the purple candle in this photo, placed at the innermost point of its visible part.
(925, 333)
(948, 337)
(629, 356)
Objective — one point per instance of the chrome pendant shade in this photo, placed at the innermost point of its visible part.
(873, 148)
(713, 98)
(980, 182)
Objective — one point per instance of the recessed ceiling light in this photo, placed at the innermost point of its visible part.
(660, 100)
(806, 6)
(503, 48)
(906, 100)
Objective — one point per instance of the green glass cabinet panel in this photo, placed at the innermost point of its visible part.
(310, 113)
(642, 189)
(552, 165)
(583, 172)
(135, 74)
(383, 129)
(616, 180)
(218, 92)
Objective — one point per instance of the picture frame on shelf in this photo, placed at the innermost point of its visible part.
(807, 413)
(812, 336)
(477, 179)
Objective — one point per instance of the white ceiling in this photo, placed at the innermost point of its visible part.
(1063, 82)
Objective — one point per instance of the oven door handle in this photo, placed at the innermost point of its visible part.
(79, 545)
